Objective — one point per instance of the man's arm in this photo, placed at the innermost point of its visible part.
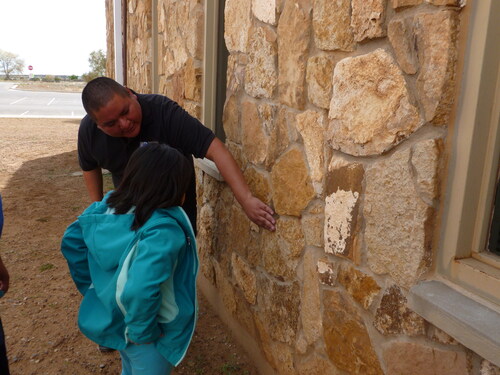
(93, 182)
(257, 211)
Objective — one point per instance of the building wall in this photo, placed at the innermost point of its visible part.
(338, 113)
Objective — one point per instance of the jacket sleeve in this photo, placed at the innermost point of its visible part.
(156, 256)
(75, 251)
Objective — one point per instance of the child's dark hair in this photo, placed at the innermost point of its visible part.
(156, 176)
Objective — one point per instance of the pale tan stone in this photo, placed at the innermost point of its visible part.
(313, 227)
(294, 29)
(404, 358)
(192, 78)
(425, 161)
(237, 22)
(437, 51)
(261, 75)
(225, 289)
(332, 25)
(398, 223)
(460, 3)
(402, 38)
(394, 317)
(310, 311)
(362, 287)
(235, 76)
(193, 108)
(370, 110)
(291, 184)
(317, 365)
(488, 368)
(310, 125)
(231, 120)
(328, 272)
(442, 337)
(245, 278)
(368, 18)
(346, 338)
(259, 183)
(405, 3)
(255, 141)
(289, 230)
(244, 315)
(265, 10)
(282, 134)
(319, 80)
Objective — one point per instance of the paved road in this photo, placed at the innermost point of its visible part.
(39, 104)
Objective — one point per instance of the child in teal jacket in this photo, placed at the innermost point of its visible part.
(133, 257)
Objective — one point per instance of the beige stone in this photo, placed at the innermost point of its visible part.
(310, 125)
(294, 29)
(291, 184)
(488, 368)
(328, 272)
(244, 315)
(317, 365)
(332, 25)
(259, 183)
(192, 78)
(394, 317)
(404, 358)
(460, 3)
(235, 76)
(440, 336)
(368, 18)
(405, 3)
(231, 120)
(225, 289)
(282, 134)
(370, 110)
(261, 75)
(265, 10)
(346, 338)
(237, 22)
(402, 38)
(425, 161)
(362, 287)
(398, 223)
(255, 141)
(245, 278)
(313, 227)
(319, 80)
(310, 307)
(437, 51)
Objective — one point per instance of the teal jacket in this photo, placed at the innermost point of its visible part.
(137, 286)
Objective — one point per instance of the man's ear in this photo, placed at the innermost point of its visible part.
(131, 93)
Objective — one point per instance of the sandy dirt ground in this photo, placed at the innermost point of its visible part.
(43, 192)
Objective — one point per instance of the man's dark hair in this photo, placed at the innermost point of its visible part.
(98, 92)
(156, 176)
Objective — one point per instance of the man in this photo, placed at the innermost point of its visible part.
(118, 120)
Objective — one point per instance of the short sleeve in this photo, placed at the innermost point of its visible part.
(85, 158)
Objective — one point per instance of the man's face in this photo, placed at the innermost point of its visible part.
(120, 117)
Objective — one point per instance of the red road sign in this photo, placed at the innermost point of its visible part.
(30, 67)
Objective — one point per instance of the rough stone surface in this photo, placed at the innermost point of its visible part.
(344, 175)
(327, 272)
(192, 80)
(346, 338)
(291, 184)
(436, 42)
(310, 125)
(404, 358)
(255, 141)
(231, 120)
(362, 288)
(225, 289)
(460, 3)
(402, 38)
(294, 29)
(425, 161)
(310, 312)
(394, 317)
(261, 72)
(265, 10)
(313, 227)
(395, 215)
(319, 80)
(235, 76)
(368, 18)
(370, 110)
(259, 183)
(316, 365)
(245, 278)
(332, 25)
(405, 3)
(237, 23)
(488, 368)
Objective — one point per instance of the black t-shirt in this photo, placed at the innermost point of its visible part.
(163, 121)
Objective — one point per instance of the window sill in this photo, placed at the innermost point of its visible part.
(471, 323)
(209, 167)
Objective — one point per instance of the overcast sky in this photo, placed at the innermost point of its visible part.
(54, 36)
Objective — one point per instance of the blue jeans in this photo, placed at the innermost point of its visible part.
(144, 360)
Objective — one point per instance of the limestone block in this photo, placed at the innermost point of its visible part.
(244, 315)
(237, 24)
(332, 25)
(488, 368)
(291, 184)
(319, 80)
(402, 38)
(394, 317)
(403, 358)
(259, 183)
(313, 230)
(192, 80)
(255, 140)
(235, 76)
(370, 111)
(231, 121)
(194, 109)
(261, 75)
(265, 10)
(440, 336)
(398, 226)
(346, 338)
(460, 3)
(236, 233)
(283, 133)
(279, 308)
(294, 30)
(362, 288)
(310, 312)
(425, 161)
(340, 210)
(245, 278)
(225, 289)
(368, 18)
(327, 272)
(437, 51)
(310, 125)
(316, 364)
(405, 3)
(344, 175)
